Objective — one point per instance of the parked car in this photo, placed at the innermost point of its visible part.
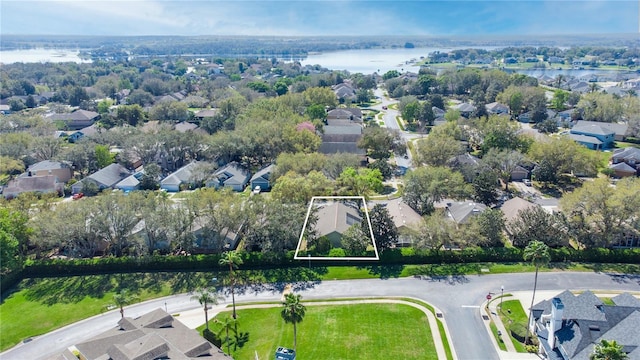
(526, 182)
(77, 196)
(384, 108)
(257, 189)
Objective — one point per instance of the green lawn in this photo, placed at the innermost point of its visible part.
(362, 331)
(514, 318)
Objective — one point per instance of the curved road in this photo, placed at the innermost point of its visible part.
(457, 297)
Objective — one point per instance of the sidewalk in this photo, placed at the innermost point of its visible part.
(194, 318)
(511, 353)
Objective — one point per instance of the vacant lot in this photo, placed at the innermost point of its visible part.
(359, 331)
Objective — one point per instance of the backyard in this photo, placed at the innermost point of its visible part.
(359, 331)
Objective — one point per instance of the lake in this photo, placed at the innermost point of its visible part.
(366, 61)
(41, 56)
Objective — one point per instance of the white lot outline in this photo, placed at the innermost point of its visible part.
(346, 258)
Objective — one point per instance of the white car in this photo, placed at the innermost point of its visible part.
(257, 189)
(526, 182)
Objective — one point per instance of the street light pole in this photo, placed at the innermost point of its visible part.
(309, 257)
(501, 296)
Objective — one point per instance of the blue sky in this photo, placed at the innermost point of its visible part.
(318, 17)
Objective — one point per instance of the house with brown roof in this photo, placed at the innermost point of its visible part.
(37, 184)
(335, 217)
(512, 207)
(404, 218)
(155, 335)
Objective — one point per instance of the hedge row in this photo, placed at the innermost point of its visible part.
(65, 267)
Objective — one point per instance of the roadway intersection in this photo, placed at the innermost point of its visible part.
(459, 298)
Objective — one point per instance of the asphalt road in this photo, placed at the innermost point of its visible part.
(458, 298)
(389, 118)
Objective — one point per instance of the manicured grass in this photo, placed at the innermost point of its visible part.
(359, 331)
(512, 315)
(494, 330)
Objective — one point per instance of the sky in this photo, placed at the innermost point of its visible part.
(319, 17)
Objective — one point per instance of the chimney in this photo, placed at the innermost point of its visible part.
(555, 323)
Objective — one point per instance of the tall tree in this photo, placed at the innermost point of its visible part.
(427, 185)
(206, 297)
(437, 150)
(537, 253)
(233, 260)
(354, 240)
(293, 312)
(608, 350)
(385, 232)
(535, 223)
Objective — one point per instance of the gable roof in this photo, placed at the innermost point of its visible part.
(629, 153)
(232, 174)
(622, 166)
(206, 113)
(264, 173)
(182, 175)
(78, 115)
(185, 126)
(110, 175)
(585, 139)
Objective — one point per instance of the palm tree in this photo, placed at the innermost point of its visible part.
(233, 260)
(293, 312)
(206, 297)
(228, 324)
(121, 299)
(537, 253)
(608, 350)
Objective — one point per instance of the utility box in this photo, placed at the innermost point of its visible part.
(282, 353)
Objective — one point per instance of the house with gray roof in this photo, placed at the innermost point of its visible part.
(404, 218)
(262, 178)
(462, 211)
(232, 175)
(593, 136)
(341, 139)
(76, 120)
(179, 178)
(629, 156)
(104, 178)
(620, 130)
(465, 109)
(154, 335)
(512, 207)
(497, 108)
(344, 116)
(569, 326)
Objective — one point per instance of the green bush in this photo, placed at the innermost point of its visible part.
(211, 337)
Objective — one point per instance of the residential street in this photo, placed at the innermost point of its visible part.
(459, 298)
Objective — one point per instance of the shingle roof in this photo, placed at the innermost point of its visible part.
(336, 216)
(591, 129)
(343, 129)
(264, 173)
(206, 113)
(511, 207)
(629, 153)
(586, 321)
(32, 183)
(153, 335)
(110, 175)
(182, 175)
(585, 139)
(461, 211)
(232, 174)
(47, 165)
(185, 126)
(622, 167)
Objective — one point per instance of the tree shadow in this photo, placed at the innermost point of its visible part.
(452, 274)
(240, 339)
(275, 280)
(384, 271)
(50, 291)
